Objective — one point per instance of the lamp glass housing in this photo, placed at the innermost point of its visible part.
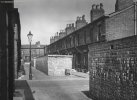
(30, 36)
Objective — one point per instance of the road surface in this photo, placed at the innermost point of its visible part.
(46, 87)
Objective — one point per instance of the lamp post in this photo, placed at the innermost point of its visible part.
(30, 39)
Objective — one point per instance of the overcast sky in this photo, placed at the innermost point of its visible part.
(46, 17)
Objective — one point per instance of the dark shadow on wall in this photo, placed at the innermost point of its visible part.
(87, 94)
(22, 84)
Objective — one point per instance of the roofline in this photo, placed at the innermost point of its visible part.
(118, 12)
(102, 17)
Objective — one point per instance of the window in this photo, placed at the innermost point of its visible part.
(99, 32)
(111, 46)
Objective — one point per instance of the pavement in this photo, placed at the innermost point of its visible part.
(44, 87)
(23, 85)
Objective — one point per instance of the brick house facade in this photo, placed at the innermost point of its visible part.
(76, 43)
(117, 25)
(9, 45)
(121, 24)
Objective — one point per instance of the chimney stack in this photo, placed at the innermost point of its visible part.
(96, 11)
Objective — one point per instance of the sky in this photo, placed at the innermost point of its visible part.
(46, 17)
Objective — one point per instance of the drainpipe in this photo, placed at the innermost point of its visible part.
(135, 15)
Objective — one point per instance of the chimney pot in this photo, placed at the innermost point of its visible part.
(69, 25)
(78, 18)
(93, 6)
(97, 7)
(83, 17)
(101, 6)
(72, 24)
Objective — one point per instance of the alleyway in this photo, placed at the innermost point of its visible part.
(45, 87)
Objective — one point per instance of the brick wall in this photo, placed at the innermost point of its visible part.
(42, 64)
(120, 25)
(113, 69)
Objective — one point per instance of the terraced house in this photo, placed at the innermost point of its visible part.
(106, 47)
(10, 45)
(75, 40)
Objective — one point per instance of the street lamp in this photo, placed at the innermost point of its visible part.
(30, 39)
